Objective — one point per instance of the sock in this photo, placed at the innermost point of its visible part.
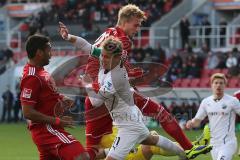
(160, 151)
(106, 151)
(170, 125)
(170, 146)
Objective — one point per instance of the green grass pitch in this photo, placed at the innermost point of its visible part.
(16, 143)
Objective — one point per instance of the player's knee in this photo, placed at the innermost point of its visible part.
(151, 140)
(153, 132)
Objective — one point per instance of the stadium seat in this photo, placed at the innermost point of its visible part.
(204, 82)
(195, 82)
(185, 82)
(224, 71)
(233, 83)
(177, 83)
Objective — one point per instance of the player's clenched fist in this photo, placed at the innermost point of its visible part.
(189, 124)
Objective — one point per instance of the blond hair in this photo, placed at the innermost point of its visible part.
(129, 11)
(218, 75)
(112, 45)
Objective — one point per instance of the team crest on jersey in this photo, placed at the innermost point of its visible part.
(27, 93)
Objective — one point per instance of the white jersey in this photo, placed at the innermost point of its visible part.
(126, 116)
(116, 88)
(221, 115)
(118, 98)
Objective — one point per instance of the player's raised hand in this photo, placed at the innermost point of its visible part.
(63, 30)
(67, 121)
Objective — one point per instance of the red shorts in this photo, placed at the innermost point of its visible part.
(61, 151)
(55, 143)
(98, 123)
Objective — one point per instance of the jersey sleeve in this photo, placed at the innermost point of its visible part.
(201, 113)
(236, 106)
(96, 52)
(102, 37)
(30, 88)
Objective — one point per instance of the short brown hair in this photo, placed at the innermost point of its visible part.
(218, 75)
(34, 43)
(112, 45)
(129, 11)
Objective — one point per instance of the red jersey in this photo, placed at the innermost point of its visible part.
(93, 63)
(119, 33)
(38, 90)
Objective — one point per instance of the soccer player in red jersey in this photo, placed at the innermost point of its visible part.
(130, 18)
(41, 103)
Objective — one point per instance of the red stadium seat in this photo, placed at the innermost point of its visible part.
(195, 82)
(233, 83)
(177, 83)
(204, 82)
(185, 82)
(224, 71)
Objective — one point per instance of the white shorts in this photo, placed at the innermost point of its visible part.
(130, 134)
(224, 151)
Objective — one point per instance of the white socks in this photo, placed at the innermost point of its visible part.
(170, 146)
(106, 151)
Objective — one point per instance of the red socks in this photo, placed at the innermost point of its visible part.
(169, 123)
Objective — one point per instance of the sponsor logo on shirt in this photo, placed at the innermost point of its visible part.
(108, 86)
(224, 107)
(217, 113)
(26, 93)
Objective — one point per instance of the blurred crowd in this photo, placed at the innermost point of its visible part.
(186, 63)
(87, 11)
(92, 12)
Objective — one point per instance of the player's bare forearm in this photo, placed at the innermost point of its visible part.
(79, 42)
(196, 122)
(193, 123)
(31, 114)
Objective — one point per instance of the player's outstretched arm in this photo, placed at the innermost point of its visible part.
(79, 42)
(193, 123)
